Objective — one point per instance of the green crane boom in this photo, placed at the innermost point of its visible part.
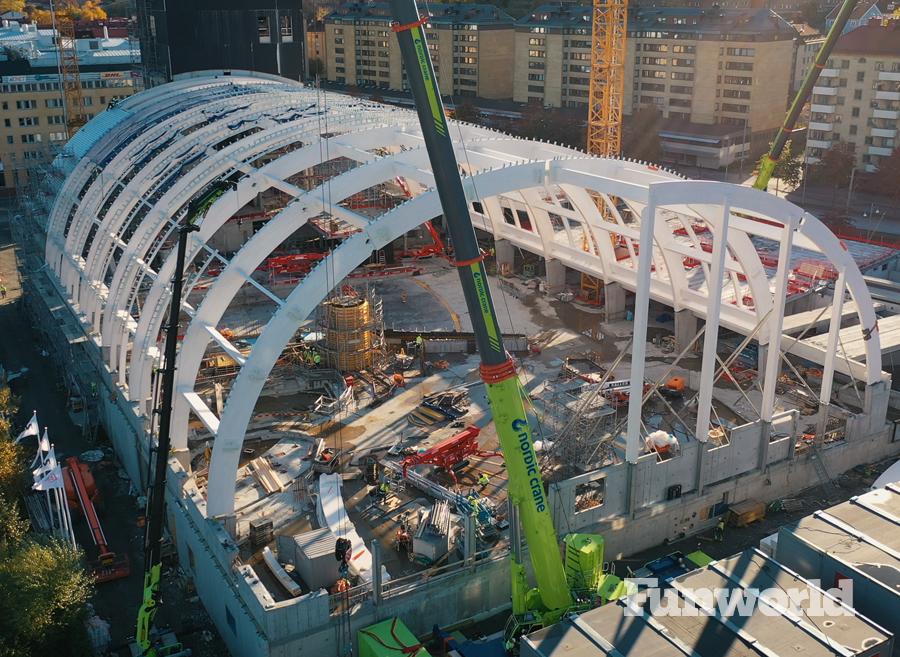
(526, 487)
(769, 162)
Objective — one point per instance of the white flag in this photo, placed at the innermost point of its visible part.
(51, 479)
(48, 463)
(31, 429)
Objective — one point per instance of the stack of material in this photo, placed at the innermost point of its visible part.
(432, 538)
(440, 407)
(312, 554)
(261, 531)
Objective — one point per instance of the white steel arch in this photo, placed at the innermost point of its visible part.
(161, 148)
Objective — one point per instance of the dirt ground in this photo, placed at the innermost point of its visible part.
(117, 602)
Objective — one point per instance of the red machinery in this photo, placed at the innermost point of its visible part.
(292, 263)
(81, 493)
(449, 452)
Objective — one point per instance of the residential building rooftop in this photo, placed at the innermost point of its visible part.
(874, 38)
(24, 48)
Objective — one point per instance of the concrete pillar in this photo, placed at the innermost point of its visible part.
(505, 253)
(614, 301)
(556, 276)
(686, 327)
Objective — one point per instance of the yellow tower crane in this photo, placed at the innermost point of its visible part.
(604, 130)
(604, 123)
(69, 75)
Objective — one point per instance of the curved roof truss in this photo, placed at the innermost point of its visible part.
(121, 202)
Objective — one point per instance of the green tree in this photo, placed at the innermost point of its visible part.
(551, 124)
(789, 168)
(886, 179)
(43, 587)
(43, 600)
(640, 134)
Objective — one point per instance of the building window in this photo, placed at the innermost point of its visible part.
(287, 29)
(857, 94)
(263, 28)
(738, 66)
(536, 88)
(860, 76)
(853, 129)
(536, 41)
(741, 52)
(854, 112)
(25, 121)
(535, 53)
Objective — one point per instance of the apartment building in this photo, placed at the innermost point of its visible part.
(553, 56)
(723, 67)
(472, 47)
(31, 103)
(857, 97)
(809, 41)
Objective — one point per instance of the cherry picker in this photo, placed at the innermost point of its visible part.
(562, 587)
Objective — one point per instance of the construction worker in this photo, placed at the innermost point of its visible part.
(720, 530)
(317, 359)
(384, 489)
(420, 342)
(484, 480)
(3, 291)
(93, 389)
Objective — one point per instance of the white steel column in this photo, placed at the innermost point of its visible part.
(773, 357)
(639, 344)
(711, 337)
(711, 340)
(834, 328)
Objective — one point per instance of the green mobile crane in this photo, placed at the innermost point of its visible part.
(579, 583)
(770, 161)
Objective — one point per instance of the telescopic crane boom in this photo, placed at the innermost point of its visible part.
(553, 596)
(156, 499)
(767, 167)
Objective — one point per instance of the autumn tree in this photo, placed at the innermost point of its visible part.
(466, 111)
(835, 166)
(886, 179)
(12, 5)
(640, 134)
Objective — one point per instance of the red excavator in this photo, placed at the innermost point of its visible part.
(81, 493)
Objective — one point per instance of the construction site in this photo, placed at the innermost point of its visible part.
(387, 364)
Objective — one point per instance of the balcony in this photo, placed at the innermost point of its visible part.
(884, 132)
(887, 95)
(824, 109)
(818, 143)
(829, 73)
(886, 114)
(825, 91)
(888, 76)
(878, 150)
(816, 125)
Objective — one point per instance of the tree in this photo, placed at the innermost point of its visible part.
(466, 111)
(835, 166)
(43, 588)
(12, 5)
(550, 124)
(43, 600)
(886, 179)
(640, 134)
(90, 10)
(789, 168)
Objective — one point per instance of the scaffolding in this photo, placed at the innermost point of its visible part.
(69, 75)
(352, 326)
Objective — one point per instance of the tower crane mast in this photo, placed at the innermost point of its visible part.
(604, 124)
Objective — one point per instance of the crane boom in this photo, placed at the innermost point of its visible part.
(156, 499)
(767, 167)
(526, 488)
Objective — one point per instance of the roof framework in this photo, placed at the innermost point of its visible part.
(138, 168)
